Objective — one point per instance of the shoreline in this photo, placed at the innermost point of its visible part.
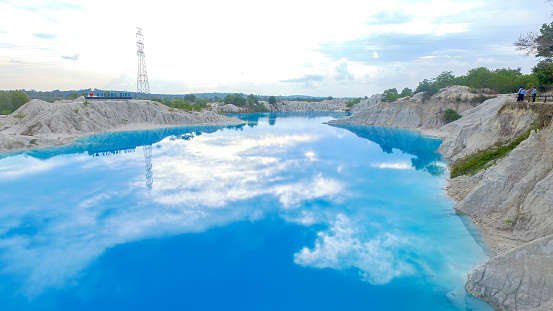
(495, 242)
(62, 139)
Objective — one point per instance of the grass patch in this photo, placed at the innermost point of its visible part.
(19, 115)
(501, 109)
(482, 159)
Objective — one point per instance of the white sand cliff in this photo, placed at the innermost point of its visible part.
(41, 124)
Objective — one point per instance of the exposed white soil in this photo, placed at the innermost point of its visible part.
(41, 124)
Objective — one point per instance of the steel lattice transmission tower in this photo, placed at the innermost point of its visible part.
(148, 166)
(142, 85)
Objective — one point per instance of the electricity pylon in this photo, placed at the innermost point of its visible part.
(148, 166)
(142, 85)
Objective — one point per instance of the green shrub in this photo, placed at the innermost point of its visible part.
(451, 115)
(19, 115)
(482, 159)
(352, 102)
(426, 96)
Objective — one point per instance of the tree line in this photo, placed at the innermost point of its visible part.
(10, 101)
(503, 81)
(251, 102)
(192, 103)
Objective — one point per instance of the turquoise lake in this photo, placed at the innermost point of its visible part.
(283, 213)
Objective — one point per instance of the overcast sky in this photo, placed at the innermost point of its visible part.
(287, 47)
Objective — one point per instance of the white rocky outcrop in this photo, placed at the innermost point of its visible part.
(514, 198)
(39, 123)
(229, 108)
(520, 279)
(483, 126)
(412, 112)
(375, 99)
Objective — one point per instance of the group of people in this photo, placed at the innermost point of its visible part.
(522, 92)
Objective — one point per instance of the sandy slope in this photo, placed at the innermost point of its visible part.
(41, 124)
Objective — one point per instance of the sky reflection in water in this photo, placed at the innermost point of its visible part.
(365, 202)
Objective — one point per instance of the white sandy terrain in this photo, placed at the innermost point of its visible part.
(41, 124)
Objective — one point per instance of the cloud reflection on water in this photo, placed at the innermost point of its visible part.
(202, 183)
(192, 193)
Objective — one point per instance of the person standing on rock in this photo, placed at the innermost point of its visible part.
(523, 93)
(520, 96)
(534, 93)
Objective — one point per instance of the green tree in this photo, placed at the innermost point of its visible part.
(544, 71)
(505, 80)
(541, 45)
(272, 100)
(16, 99)
(235, 99)
(252, 100)
(406, 92)
(390, 95)
(74, 95)
(430, 87)
(478, 77)
(5, 103)
(444, 79)
(12, 100)
(190, 98)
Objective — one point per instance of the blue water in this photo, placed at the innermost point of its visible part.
(284, 213)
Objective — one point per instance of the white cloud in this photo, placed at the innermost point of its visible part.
(253, 54)
(343, 246)
(14, 167)
(342, 72)
(395, 165)
(311, 156)
(189, 194)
